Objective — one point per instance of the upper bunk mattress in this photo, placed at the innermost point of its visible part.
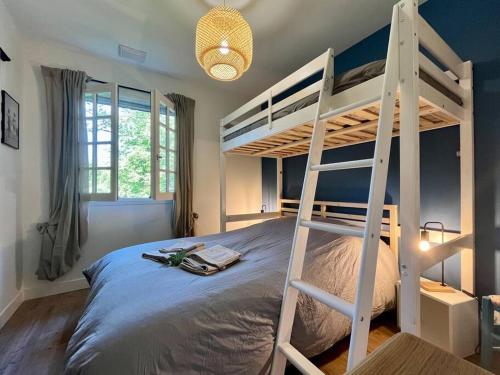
(143, 317)
(343, 82)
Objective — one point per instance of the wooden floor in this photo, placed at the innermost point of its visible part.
(34, 340)
(334, 360)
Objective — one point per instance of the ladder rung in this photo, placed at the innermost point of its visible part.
(344, 230)
(349, 107)
(363, 163)
(328, 299)
(299, 360)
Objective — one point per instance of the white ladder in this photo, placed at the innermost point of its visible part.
(360, 310)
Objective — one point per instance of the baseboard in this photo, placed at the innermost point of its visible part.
(11, 308)
(49, 288)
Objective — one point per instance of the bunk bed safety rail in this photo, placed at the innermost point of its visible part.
(309, 90)
(299, 75)
(432, 42)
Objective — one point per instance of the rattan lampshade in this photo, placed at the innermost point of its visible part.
(224, 43)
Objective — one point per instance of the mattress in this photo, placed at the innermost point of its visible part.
(142, 317)
(343, 82)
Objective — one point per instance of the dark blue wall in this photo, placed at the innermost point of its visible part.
(269, 183)
(472, 29)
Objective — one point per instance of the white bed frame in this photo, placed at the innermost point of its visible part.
(327, 209)
(415, 96)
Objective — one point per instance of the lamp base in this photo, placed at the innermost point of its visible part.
(434, 286)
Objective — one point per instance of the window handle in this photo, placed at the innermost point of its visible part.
(158, 157)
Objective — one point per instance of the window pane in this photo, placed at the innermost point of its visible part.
(171, 119)
(90, 176)
(171, 140)
(134, 145)
(163, 136)
(90, 155)
(103, 104)
(104, 155)
(90, 126)
(89, 105)
(163, 160)
(171, 161)
(171, 182)
(103, 181)
(163, 182)
(104, 130)
(163, 114)
(87, 174)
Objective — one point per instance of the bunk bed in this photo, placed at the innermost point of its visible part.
(422, 85)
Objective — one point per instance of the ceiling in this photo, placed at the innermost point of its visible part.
(287, 33)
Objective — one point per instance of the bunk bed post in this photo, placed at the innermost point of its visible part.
(409, 166)
(467, 178)
(222, 176)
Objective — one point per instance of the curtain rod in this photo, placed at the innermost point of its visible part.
(125, 87)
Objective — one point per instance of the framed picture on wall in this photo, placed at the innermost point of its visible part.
(10, 121)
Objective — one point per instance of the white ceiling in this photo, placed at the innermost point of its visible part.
(287, 33)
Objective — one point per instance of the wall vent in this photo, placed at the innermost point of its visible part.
(132, 54)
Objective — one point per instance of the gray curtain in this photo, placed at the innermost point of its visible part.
(184, 110)
(66, 228)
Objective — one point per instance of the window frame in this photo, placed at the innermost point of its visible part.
(158, 98)
(95, 88)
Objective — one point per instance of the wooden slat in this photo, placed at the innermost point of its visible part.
(296, 141)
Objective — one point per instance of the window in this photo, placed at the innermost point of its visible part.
(134, 143)
(100, 120)
(131, 143)
(165, 147)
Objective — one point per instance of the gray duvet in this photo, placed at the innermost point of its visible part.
(142, 317)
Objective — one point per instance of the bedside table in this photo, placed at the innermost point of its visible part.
(448, 320)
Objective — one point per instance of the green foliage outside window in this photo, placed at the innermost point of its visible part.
(134, 154)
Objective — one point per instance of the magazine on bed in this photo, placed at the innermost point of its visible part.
(209, 261)
(174, 254)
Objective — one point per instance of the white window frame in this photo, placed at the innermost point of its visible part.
(96, 88)
(158, 98)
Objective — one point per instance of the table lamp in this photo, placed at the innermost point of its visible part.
(433, 286)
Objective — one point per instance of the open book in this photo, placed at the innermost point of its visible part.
(211, 260)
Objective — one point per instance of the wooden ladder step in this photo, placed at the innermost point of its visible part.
(322, 296)
(363, 163)
(344, 230)
(350, 107)
(298, 360)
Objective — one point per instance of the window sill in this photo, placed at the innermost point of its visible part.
(131, 202)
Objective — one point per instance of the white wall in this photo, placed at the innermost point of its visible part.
(116, 225)
(244, 187)
(10, 180)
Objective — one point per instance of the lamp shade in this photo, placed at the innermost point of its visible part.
(224, 43)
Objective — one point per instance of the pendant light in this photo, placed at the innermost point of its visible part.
(224, 43)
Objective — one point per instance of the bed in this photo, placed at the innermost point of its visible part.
(142, 317)
(343, 81)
